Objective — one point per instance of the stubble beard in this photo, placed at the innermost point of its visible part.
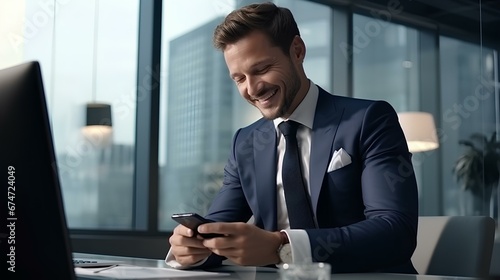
(290, 94)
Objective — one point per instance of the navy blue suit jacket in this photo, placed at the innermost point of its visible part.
(367, 211)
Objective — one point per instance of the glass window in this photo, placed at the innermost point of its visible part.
(196, 113)
(88, 53)
(385, 62)
(386, 67)
(314, 21)
(200, 106)
(468, 106)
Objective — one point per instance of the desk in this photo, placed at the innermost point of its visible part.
(253, 273)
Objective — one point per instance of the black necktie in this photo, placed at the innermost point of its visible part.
(297, 199)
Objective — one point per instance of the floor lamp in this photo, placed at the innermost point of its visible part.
(419, 130)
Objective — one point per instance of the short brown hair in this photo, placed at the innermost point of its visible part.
(275, 22)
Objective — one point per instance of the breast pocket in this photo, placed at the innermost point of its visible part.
(344, 180)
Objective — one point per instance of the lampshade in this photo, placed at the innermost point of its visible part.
(419, 130)
(98, 114)
(98, 129)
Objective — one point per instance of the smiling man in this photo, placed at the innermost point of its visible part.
(266, 77)
(326, 178)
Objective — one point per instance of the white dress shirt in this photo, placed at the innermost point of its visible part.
(303, 114)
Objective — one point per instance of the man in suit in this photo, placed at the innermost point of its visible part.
(361, 197)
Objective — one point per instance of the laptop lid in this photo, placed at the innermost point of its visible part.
(35, 238)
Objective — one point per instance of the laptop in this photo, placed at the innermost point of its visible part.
(36, 237)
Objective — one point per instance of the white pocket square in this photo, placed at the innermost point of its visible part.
(339, 159)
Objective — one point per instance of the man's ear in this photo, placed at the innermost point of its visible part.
(298, 48)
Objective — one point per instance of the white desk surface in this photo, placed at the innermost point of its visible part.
(253, 273)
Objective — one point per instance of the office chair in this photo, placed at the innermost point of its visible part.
(454, 246)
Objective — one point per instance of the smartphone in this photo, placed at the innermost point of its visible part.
(192, 221)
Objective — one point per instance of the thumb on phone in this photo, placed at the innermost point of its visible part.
(184, 231)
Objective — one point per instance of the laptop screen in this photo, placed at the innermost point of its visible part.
(35, 237)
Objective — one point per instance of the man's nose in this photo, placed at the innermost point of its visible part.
(253, 86)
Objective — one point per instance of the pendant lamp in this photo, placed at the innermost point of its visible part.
(98, 125)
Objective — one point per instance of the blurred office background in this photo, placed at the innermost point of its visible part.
(175, 109)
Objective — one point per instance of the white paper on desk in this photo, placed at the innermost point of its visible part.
(141, 272)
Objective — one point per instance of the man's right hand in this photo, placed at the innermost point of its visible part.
(187, 248)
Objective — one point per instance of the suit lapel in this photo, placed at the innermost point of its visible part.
(264, 147)
(326, 121)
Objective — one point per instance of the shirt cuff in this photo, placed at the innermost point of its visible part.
(300, 245)
(170, 261)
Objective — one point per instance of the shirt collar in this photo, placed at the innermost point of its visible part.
(304, 113)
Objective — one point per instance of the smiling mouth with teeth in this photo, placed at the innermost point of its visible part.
(266, 97)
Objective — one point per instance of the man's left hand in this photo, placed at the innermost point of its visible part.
(243, 244)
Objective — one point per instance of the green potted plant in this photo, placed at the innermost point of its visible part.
(477, 170)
